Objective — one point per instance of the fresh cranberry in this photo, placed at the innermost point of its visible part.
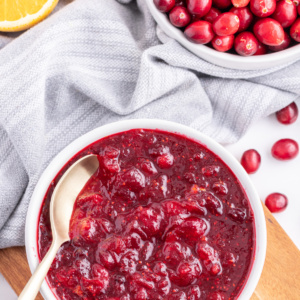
(263, 8)
(240, 3)
(261, 49)
(179, 16)
(221, 4)
(276, 202)
(199, 32)
(288, 114)
(251, 161)
(286, 42)
(245, 44)
(245, 17)
(212, 15)
(285, 13)
(226, 24)
(295, 31)
(164, 5)
(296, 2)
(285, 149)
(199, 7)
(223, 43)
(269, 32)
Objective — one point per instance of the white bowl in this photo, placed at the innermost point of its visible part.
(224, 59)
(65, 155)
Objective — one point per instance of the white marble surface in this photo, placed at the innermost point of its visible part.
(273, 176)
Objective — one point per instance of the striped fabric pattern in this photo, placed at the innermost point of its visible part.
(97, 61)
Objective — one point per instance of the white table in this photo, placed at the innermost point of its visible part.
(273, 176)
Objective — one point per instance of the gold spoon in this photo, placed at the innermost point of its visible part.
(61, 208)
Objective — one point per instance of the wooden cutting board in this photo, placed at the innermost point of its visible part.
(280, 279)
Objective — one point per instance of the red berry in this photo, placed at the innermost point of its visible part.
(296, 2)
(245, 44)
(286, 42)
(223, 43)
(240, 3)
(164, 5)
(269, 32)
(179, 16)
(251, 161)
(263, 8)
(295, 30)
(221, 4)
(212, 15)
(199, 7)
(285, 149)
(288, 114)
(285, 13)
(276, 202)
(199, 32)
(245, 17)
(261, 49)
(226, 24)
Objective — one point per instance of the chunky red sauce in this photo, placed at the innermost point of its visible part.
(162, 218)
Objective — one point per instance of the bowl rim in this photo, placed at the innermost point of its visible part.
(224, 59)
(80, 143)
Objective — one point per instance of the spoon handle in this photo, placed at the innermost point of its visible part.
(33, 286)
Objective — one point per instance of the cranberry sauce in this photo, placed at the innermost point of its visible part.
(162, 218)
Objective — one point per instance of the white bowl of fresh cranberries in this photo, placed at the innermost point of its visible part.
(238, 34)
(169, 214)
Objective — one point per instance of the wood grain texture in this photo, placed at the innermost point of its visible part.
(280, 279)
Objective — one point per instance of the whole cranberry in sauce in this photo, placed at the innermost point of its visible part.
(226, 24)
(199, 32)
(276, 202)
(269, 32)
(179, 16)
(163, 218)
(164, 5)
(288, 114)
(251, 161)
(285, 149)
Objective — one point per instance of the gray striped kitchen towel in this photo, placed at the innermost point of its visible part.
(97, 61)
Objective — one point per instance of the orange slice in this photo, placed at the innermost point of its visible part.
(17, 15)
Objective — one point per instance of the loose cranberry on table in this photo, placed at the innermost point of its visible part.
(245, 16)
(263, 8)
(245, 43)
(285, 44)
(288, 114)
(199, 7)
(163, 218)
(251, 161)
(226, 24)
(276, 202)
(200, 32)
(285, 149)
(295, 31)
(179, 16)
(223, 43)
(285, 13)
(269, 32)
(164, 5)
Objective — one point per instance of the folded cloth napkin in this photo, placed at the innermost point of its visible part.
(97, 61)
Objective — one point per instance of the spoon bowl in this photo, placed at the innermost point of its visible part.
(61, 208)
